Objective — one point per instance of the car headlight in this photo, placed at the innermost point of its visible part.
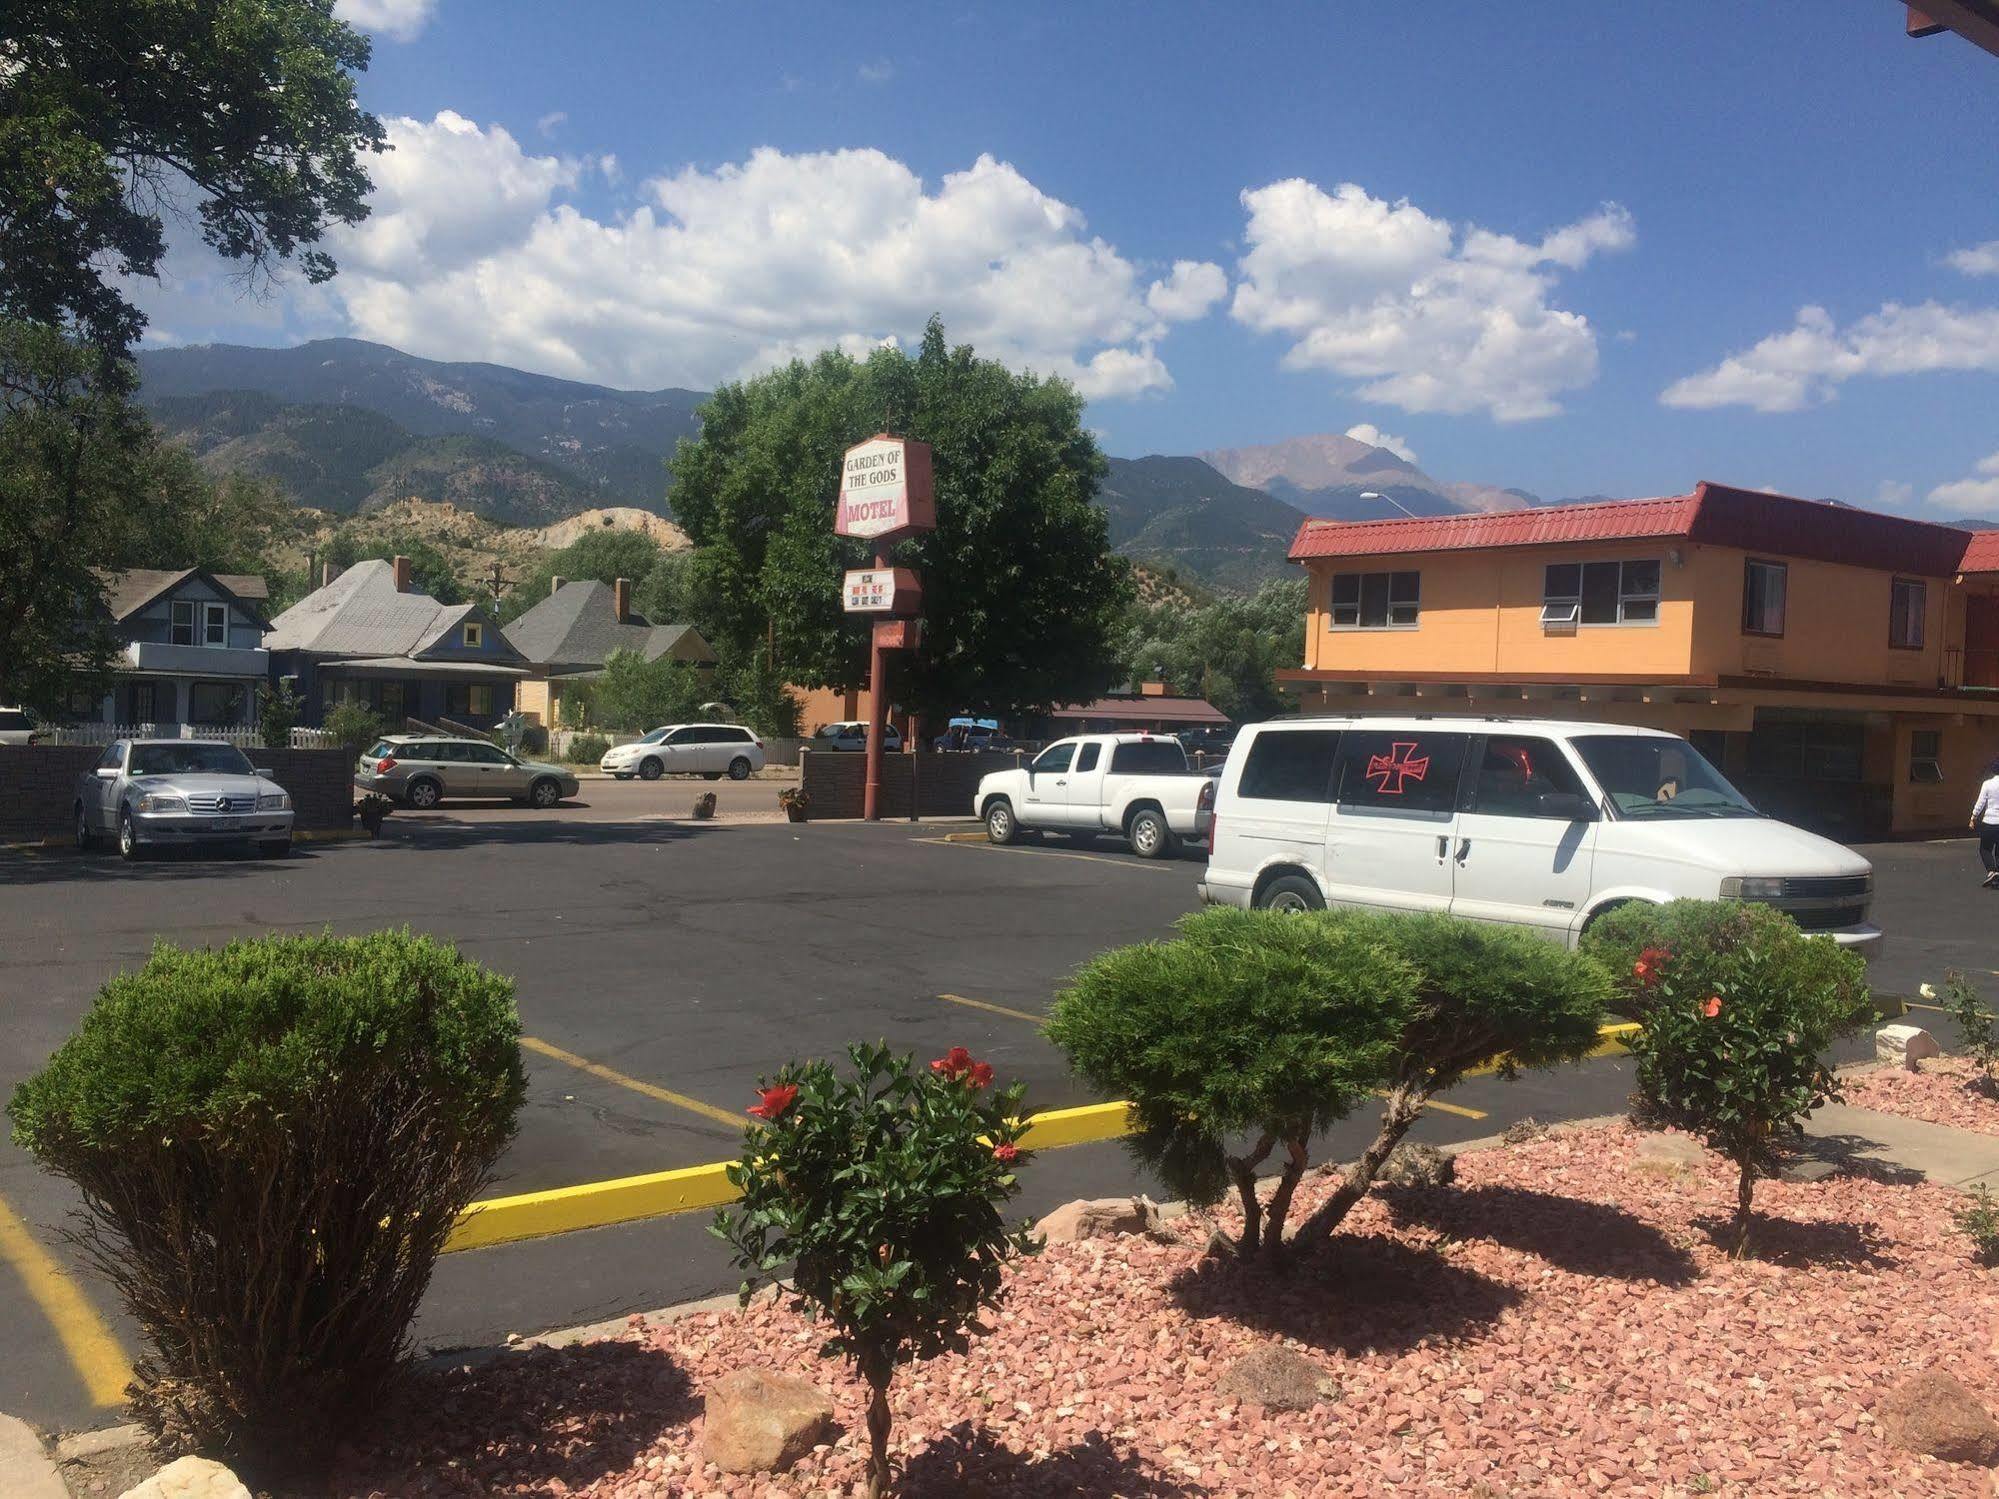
(161, 801)
(274, 802)
(1744, 887)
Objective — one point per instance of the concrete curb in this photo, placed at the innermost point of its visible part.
(299, 835)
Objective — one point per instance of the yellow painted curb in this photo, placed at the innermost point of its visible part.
(964, 838)
(328, 835)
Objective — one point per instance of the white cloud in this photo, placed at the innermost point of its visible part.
(1194, 287)
(399, 19)
(1979, 260)
(1893, 494)
(470, 253)
(553, 121)
(1805, 364)
(1385, 293)
(1373, 436)
(879, 71)
(1977, 496)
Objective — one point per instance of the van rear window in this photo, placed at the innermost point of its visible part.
(1290, 765)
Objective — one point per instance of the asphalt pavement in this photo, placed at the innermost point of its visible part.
(661, 964)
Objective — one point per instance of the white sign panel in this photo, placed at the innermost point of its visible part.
(871, 592)
(885, 489)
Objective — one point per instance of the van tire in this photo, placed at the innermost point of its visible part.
(1002, 827)
(1605, 909)
(1148, 834)
(649, 769)
(739, 768)
(1292, 893)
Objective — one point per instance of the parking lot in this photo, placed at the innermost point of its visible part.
(661, 964)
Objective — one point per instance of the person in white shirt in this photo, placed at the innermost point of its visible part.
(1985, 822)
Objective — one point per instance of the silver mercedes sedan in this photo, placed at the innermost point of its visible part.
(152, 793)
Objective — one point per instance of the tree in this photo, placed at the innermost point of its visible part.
(666, 593)
(633, 694)
(1227, 650)
(1022, 594)
(431, 571)
(116, 112)
(604, 556)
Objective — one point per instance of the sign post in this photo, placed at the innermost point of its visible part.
(886, 494)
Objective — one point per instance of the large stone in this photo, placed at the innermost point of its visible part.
(1417, 1166)
(1101, 1218)
(1933, 1413)
(1905, 1045)
(25, 1469)
(1667, 1155)
(1278, 1379)
(190, 1478)
(759, 1422)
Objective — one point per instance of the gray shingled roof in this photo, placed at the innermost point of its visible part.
(577, 625)
(129, 591)
(360, 613)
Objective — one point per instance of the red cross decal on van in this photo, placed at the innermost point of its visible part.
(1392, 772)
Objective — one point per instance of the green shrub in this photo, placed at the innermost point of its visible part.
(1979, 1222)
(279, 715)
(1249, 1023)
(354, 726)
(883, 1192)
(272, 1141)
(1976, 1029)
(587, 749)
(1736, 1008)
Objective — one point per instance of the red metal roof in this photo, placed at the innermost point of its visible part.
(1750, 519)
(1981, 553)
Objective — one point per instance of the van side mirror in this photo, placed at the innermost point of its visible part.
(1565, 805)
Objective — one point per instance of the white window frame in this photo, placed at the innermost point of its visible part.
(1564, 611)
(214, 617)
(182, 615)
(1413, 606)
(472, 635)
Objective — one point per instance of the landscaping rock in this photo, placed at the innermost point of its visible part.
(1417, 1166)
(1101, 1218)
(1905, 1045)
(759, 1422)
(1523, 1130)
(1667, 1155)
(1278, 1379)
(1934, 1414)
(191, 1478)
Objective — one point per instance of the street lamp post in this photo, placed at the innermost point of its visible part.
(1369, 494)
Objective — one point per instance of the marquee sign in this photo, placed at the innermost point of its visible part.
(885, 490)
(882, 590)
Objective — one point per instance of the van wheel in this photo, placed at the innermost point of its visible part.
(649, 770)
(1000, 824)
(1149, 835)
(739, 768)
(1290, 893)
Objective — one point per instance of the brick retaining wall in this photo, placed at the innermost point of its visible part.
(836, 782)
(38, 786)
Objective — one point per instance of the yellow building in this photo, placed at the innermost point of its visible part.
(1842, 666)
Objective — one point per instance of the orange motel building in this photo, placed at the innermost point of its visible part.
(1840, 665)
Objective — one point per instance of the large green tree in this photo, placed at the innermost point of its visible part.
(605, 555)
(1022, 594)
(115, 114)
(1227, 649)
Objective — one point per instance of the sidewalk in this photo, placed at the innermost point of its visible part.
(1950, 1156)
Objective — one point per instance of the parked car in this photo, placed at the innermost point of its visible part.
(152, 793)
(713, 750)
(965, 735)
(421, 770)
(854, 737)
(1534, 823)
(19, 726)
(1136, 785)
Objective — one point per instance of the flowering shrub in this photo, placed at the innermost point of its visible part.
(883, 1191)
(1736, 1008)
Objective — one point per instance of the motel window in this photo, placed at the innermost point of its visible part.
(1926, 757)
(1764, 585)
(1376, 601)
(181, 630)
(474, 635)
(1906, 608)
(1600, 593)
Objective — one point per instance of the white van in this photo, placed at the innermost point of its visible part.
(1532, 822)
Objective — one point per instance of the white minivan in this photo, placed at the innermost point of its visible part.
(713, 750)
(1532, 822)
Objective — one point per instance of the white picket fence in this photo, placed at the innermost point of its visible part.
(242, 736)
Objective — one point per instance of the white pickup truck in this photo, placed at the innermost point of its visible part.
(1134, 785)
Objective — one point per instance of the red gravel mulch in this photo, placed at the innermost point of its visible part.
(1553, 1324)
(1945, 1091)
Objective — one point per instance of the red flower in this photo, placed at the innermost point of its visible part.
(1713, 1006)
(954, 1064)
(772, 1102)
(1649, 964)
(982, 1074)
(1006, 1155)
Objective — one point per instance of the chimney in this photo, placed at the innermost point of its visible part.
(621, 599)
(402, 575)
(328, 571)
(555, 586)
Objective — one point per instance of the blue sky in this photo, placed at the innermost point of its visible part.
(1559, 214)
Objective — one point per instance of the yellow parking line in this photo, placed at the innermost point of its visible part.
(984, 1004)
(1455, 1108)
(651, 1090)
(93, 1349)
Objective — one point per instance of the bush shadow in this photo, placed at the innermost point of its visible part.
(1852, 1155)
(1828, 1245)
(1351, 1294)
(535, 1421)
(967, 1463)
(1585, 1238)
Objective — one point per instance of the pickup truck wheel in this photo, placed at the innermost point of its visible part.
(1001, 826)
(1149, 835)
(1291, 894)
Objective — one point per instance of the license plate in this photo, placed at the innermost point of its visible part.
(221, 824)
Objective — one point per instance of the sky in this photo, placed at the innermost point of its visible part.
(1566, 247)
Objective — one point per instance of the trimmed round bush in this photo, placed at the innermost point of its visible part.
(273, 1140)
(586, 749)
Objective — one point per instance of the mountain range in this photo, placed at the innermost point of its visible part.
(347, 426)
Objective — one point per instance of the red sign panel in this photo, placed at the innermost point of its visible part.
(1392, 772)
(898, 634)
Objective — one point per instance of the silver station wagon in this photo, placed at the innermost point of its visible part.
(156, 793)
(421, 770)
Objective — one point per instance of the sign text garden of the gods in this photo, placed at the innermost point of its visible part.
(885, 490)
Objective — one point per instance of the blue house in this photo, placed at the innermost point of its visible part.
(369, 637)
(192, 652)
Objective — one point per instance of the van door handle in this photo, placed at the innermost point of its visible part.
(1443, 847)
(1464, 849)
